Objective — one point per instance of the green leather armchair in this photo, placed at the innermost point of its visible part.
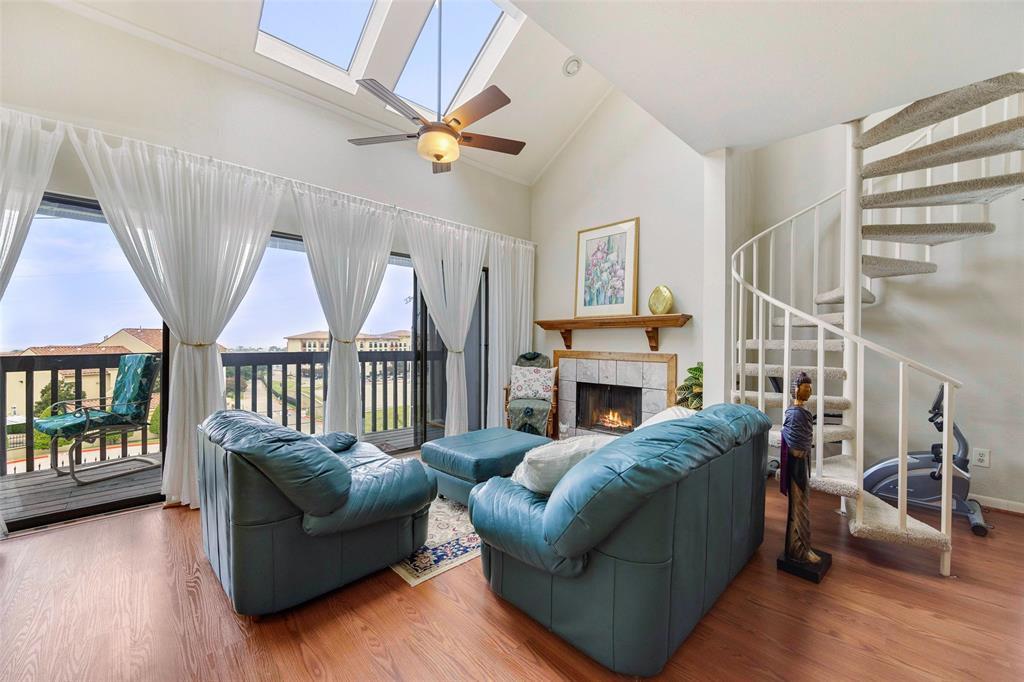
(287, 517)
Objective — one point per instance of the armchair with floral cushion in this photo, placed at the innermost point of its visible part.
(531, 397)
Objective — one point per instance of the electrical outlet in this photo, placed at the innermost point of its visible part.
(982, 457)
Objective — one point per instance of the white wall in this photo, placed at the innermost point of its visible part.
(728, 203)
(622, 163)
(966, 320)
(58, 64)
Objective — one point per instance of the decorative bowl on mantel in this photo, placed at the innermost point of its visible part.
(660, 301)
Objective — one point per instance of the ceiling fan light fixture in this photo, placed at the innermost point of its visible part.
(438, 145)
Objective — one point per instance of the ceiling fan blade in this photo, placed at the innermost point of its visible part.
(380, 139)
(391, 99)
(487, 102)
(494, 144)
(441, 167)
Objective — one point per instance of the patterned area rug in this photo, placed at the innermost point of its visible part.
(451, 541)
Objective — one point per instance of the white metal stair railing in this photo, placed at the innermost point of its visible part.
(860, 262)
(755, 307)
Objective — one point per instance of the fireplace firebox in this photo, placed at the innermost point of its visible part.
(608, 408)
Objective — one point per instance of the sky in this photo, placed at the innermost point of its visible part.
(73, 285)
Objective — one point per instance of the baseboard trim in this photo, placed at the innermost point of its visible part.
(999, 503)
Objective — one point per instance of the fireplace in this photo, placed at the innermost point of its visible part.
(608, 408)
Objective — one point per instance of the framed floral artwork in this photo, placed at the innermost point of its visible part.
(606, 269)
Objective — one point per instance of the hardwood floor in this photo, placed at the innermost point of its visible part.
(131, 597)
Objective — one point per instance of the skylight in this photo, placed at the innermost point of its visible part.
(326, 29)
(467, 24)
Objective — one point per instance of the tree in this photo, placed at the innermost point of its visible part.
(154, 421)
(65, 391)
(246, 376)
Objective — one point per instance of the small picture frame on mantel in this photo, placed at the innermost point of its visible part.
(607, 258)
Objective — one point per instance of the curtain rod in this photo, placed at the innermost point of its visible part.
(276, 176)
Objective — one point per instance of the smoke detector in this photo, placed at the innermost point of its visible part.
(572, 66)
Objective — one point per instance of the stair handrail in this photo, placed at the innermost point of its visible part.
(831, 328)
(859, 344)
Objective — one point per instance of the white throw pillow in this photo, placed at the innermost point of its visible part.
(674, 412)
(543, 467)
(532, 382)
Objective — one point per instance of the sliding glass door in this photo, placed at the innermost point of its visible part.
(432, 357)
(72, 309)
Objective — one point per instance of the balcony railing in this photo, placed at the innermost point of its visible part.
(34, 372)
(291, 387)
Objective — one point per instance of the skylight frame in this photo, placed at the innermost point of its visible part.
(351, 58)
(292, 56)
(492, 49)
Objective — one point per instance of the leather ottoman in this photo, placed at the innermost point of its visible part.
(460, 462)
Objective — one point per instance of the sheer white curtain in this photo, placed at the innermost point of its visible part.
(510, 278)
(194, 231)
(448, 260)
(348, 241)
(27, 152)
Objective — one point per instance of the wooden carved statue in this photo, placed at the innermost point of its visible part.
(797, 440)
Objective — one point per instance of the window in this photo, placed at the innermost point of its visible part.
(70, 247)
(467, 25)
(329, 30)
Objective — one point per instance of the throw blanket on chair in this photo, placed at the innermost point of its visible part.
(529, 415)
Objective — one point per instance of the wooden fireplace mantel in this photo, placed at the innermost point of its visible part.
(651, 324)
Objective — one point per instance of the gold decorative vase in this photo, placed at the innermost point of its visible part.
(660, 301)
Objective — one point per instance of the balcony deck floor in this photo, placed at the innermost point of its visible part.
(41, 497)
(392, 441)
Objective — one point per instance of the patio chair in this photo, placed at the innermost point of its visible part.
(128, 411)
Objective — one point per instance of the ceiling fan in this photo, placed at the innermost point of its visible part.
(439, 141)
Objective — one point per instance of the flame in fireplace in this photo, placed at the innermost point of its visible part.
(613, 420)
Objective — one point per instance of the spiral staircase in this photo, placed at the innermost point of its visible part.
(887, 227)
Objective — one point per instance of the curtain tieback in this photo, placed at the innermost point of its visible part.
(343, 340)
(456, 352)
(195, 345)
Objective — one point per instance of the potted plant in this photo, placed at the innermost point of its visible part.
(690, 393)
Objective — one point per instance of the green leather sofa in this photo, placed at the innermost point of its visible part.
(637, 541)
(287, 517)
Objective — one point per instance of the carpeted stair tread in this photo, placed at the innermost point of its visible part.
(831, 345)
(838, 476)
(833, 433)
(926, 233)
(835, 297)
(835, 319)
(881, 266)
(975, 191)
(881, 522)
(931, 110)
(833, 403)
(999, 138)
(751, 370)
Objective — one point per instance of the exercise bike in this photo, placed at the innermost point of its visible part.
(924, 476)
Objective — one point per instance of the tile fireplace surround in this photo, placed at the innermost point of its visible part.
(653, 373)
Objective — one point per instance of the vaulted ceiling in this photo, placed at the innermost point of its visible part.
(716, 74)
(734, 74)
(547, 107)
